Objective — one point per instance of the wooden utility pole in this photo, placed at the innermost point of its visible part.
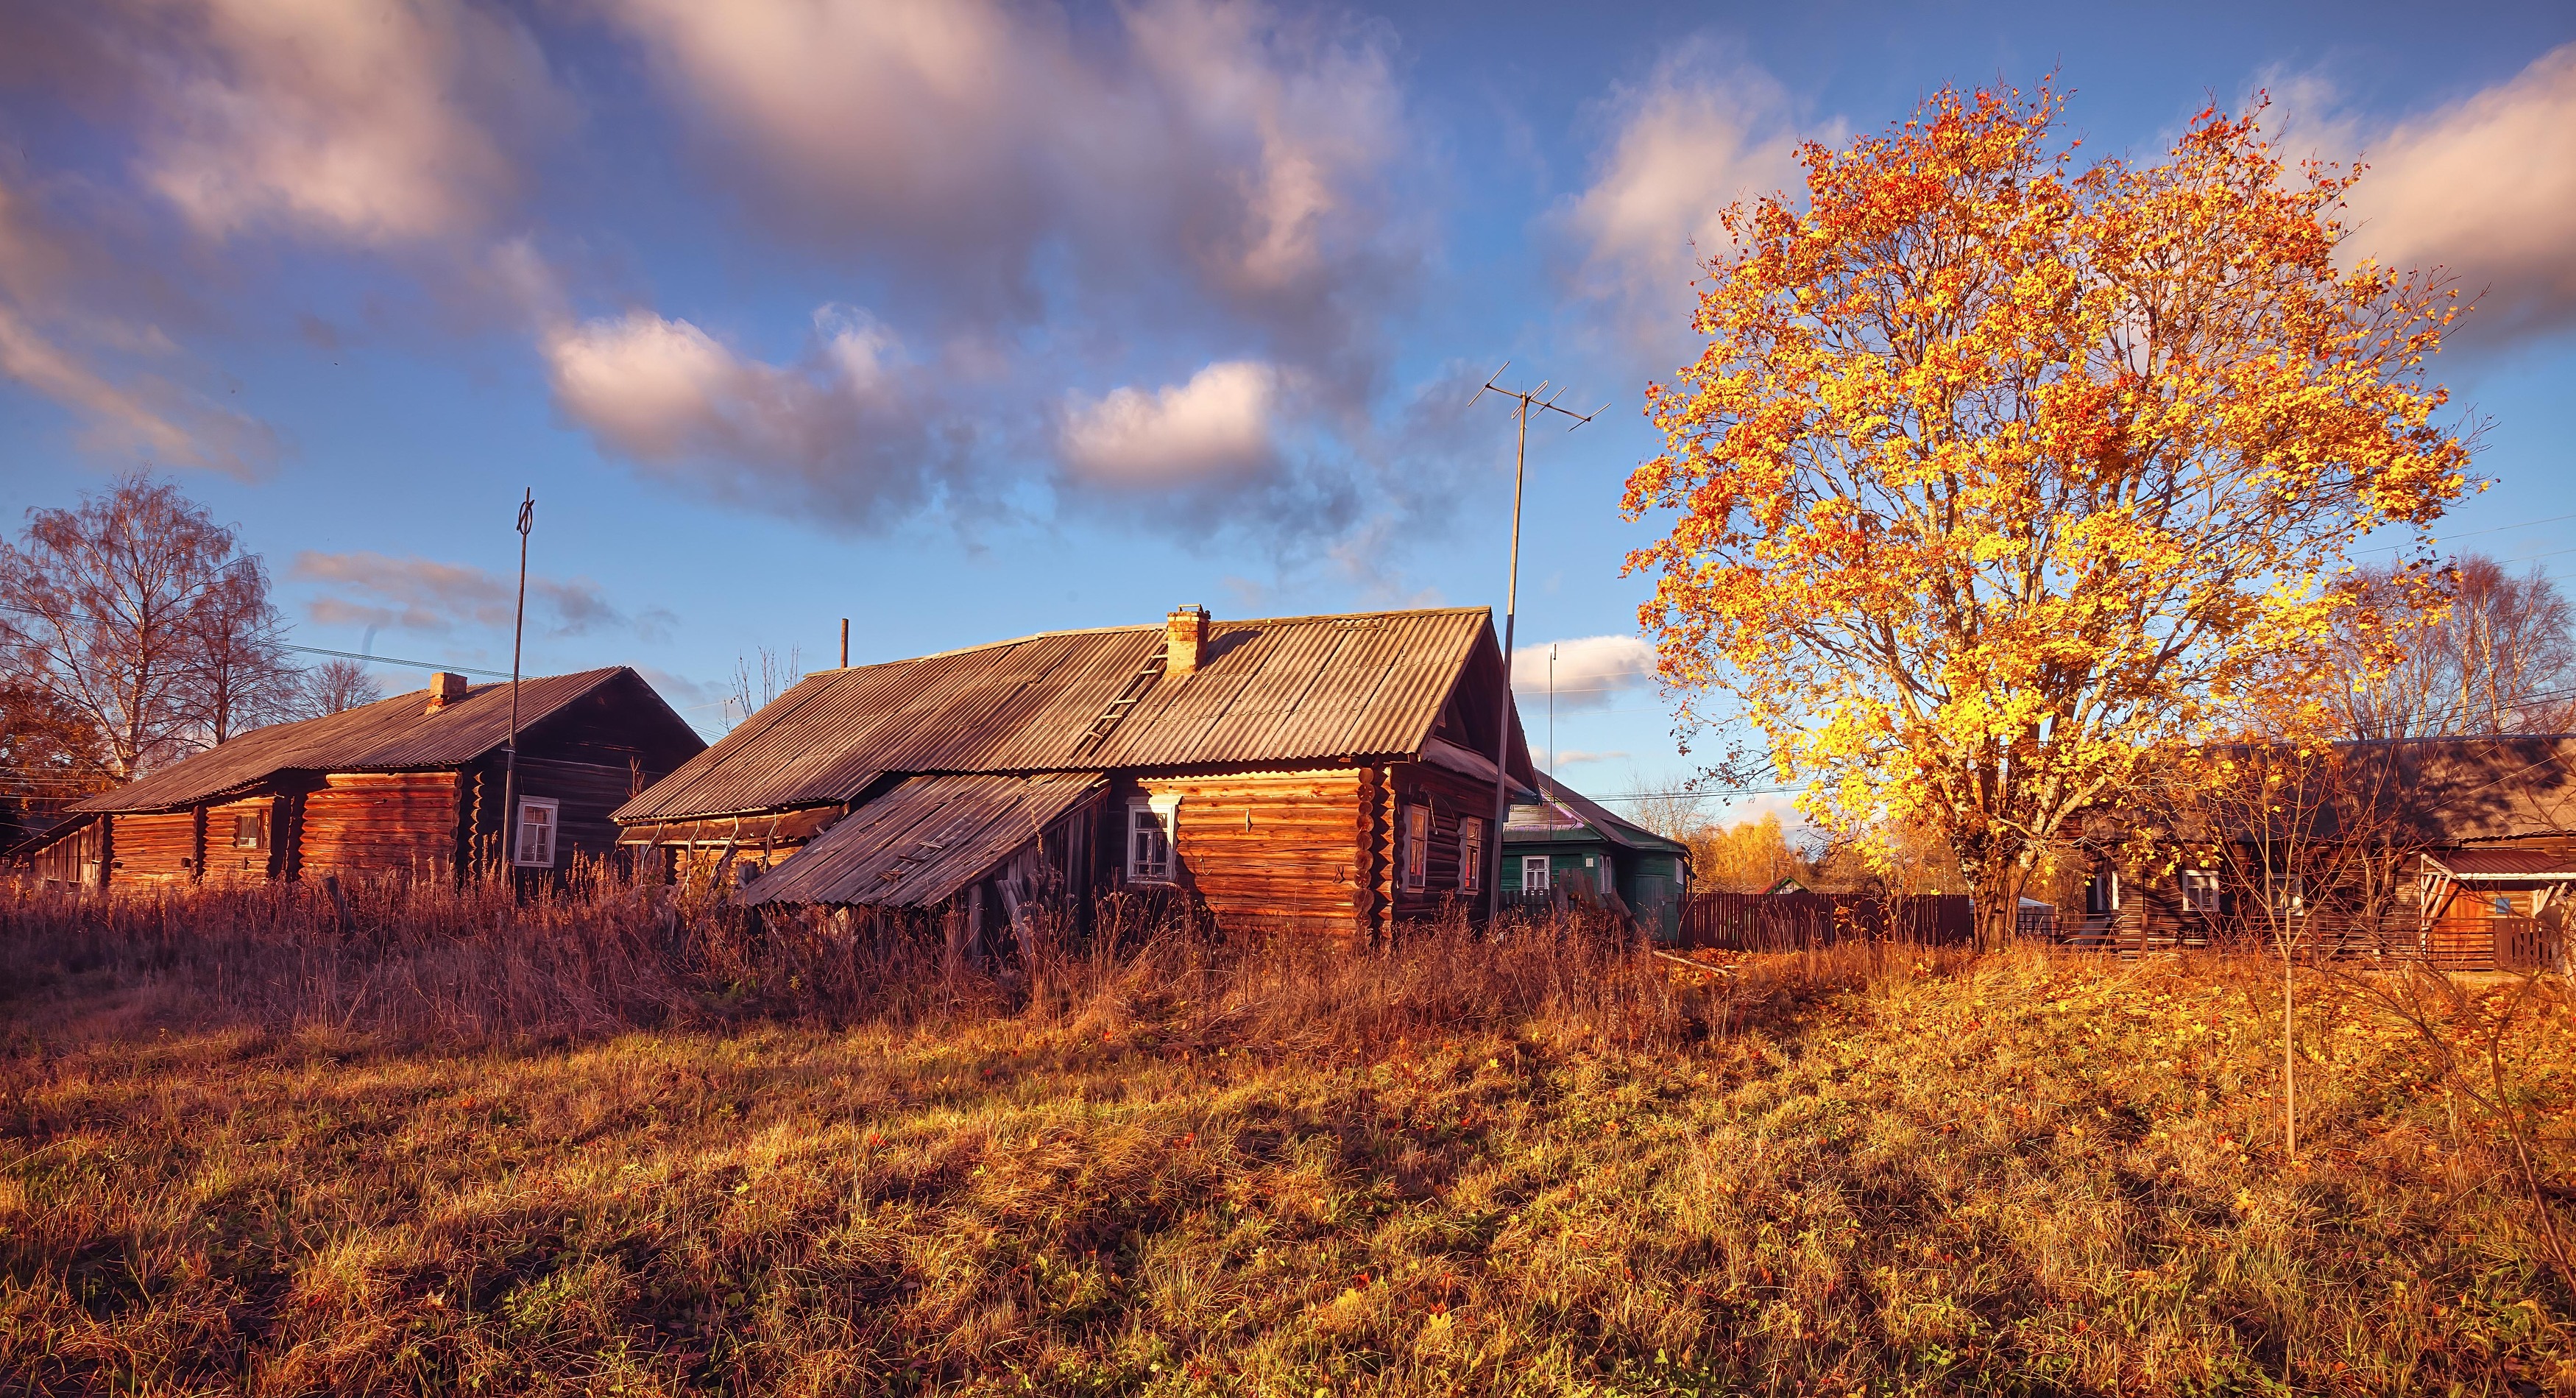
(1523, 401)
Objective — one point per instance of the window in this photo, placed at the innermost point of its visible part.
(1149, 842)
(2200, 891)
(1415, 859)
(250, 830)
(2504, 905)
(1471, 855)
(1533, 873)
(2288, 894)
(538, 817)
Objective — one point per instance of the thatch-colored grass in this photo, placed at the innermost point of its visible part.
(1551, 1165)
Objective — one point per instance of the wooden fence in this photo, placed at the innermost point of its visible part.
(1801, 921)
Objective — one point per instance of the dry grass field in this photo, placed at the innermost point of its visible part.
(253, 1143)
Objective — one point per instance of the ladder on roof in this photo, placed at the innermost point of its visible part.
(1123, 705)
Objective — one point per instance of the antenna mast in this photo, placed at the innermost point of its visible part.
(1524, 401)
(518, 632)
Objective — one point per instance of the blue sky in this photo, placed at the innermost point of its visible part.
(968, 321)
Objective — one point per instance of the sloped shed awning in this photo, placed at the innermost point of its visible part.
(922, 842)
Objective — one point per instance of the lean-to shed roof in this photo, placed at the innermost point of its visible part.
(394, 734)
(918, 844)
(1285, 690)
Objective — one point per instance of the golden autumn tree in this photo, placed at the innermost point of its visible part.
(2000, 474)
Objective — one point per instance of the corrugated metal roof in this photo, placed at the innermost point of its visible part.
(1284, 690)
(388, 735)
(1567, 811)
(919, 843)
(2502, 863)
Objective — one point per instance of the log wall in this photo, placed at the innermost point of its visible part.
(381, 822)
(225, 861)
(1452, 797)
(589, 791)
(1280, 849)
(152, 849)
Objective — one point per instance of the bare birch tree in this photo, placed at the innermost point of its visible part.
(336, 686)
(2469, 648)
(109, 610)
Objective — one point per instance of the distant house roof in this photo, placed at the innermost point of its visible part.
(394, 734)
(1285, 690)
(2420, 791)
(1564, 813)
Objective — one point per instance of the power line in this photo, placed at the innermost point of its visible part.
(396, 662)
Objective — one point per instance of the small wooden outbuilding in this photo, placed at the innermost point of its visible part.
(410, 784)
(1566, 842)
(1329, 773)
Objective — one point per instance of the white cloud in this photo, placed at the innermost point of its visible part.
(1576, 757)
(373, 123)
(2484, 187)
(844, 432)
(1215, 428)
(434, 597)
(1699, 135)
(1590, 671)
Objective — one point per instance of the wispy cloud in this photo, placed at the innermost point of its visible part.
(2483, 187)
(371, 123)
(1190, 158)
(64, 335)
(1703, 131)
(436, 598)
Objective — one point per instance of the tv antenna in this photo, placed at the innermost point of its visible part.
(1525, 401)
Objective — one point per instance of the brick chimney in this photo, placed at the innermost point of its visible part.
(444, 689)
(1185, 634)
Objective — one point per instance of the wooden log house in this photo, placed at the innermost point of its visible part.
(2472, 841)
(409, 785)
(1326, 773)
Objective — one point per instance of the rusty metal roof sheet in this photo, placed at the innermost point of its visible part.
(919, 843)
(1284, 690)
(388, 735)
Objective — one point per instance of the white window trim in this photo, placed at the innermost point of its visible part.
(2200, 891)
(1166, 810)
(554, 832)
(1543, 864)
(1414, 852)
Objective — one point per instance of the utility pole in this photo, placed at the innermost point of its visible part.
(845, 643)
(518, 633)
(1524, 401)
(1551, 708)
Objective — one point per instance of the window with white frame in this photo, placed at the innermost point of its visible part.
(1534, 873)
(534, 845)
(2200, 891)
(1471, 854)
(1149, 843)
(1415, 858)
